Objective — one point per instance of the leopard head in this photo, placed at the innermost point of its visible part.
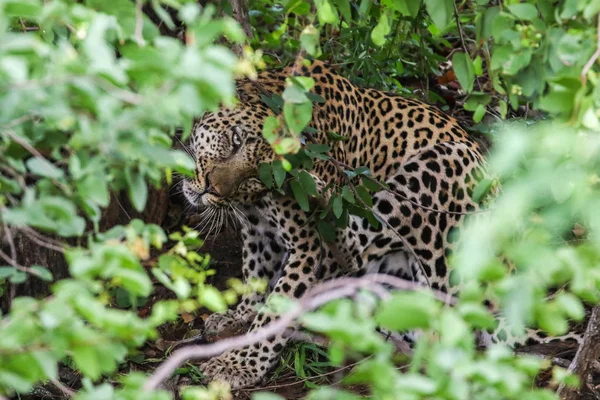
(228, 148)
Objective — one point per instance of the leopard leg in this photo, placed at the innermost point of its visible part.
(261, 259)
(309, 262)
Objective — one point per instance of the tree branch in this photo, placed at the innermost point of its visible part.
(593, 59)
(139, 23)
(314, 298)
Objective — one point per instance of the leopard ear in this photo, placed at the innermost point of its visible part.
(250, 91)
(241, 91)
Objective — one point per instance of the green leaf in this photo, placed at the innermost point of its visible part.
(279, 172)
(326, 12)
(18, 277)
(503, 106)
(344, 8)
(409, 8)
(304, 83)
(309, 39)
(95, 188)
(440, 11)
(315, 98)
(42, 273)
(270, 129)
(28, 10)
(163, 14)
(308, 183)
(318, 147)
(266, 396)
(485, 22)
(477, 315)
(463, 67)
(348, 195)
(136, 189)
(6, 272)
(372, 184)
(86, 359)
(44, 168)
(381, 30)
(326, 230)
(364, 195)
(136, 282)
(294, 94)
(523, 11)
(265, 174)
(337, 206)
(478, 66)
(8, 185)
(453, 329)
(47, 363)
(297, 116)
(479, 113)
(407, 310)
(551, 320)
(15, 381)
(300, 195)
(571, 305)
(212, 299)
(482, 189)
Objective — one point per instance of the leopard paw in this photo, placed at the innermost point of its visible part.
(224, 325)
(233, 369)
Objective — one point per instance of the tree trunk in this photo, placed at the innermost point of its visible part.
(30, 252)
(587, 354)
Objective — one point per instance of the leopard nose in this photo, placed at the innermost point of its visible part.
(210, 188)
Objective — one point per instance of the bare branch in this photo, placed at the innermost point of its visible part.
(593, 59)
(43, 240)
(459, 28)
(13, 263)
(34, 152)
(67, 391)
(18, 121)
(239, 9)
(314, 298)
(139, 23)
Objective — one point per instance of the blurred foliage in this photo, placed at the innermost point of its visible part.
(91, 97)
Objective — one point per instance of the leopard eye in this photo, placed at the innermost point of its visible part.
(236, 139)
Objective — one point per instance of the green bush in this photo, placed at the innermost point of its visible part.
(92, 95)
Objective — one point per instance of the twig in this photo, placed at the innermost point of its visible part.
(13, 263)
(139, 22)
(63, 388)
(314, 298)
(42, 240)
(35, 153)
(239, 10)
(24, 144)
(415, 203)
(11, 242)
(459, 27)
(13, 253)
(593, 59)
(310, 378)
(587, 353)
(18, 121)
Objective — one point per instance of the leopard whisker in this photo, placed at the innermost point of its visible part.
(187, 149)
(241, 217)
(205, 218)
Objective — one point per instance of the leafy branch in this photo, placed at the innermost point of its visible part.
(316, 297)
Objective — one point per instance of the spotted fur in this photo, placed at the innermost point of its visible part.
(426, 158)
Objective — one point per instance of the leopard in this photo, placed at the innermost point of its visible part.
(428, 162)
